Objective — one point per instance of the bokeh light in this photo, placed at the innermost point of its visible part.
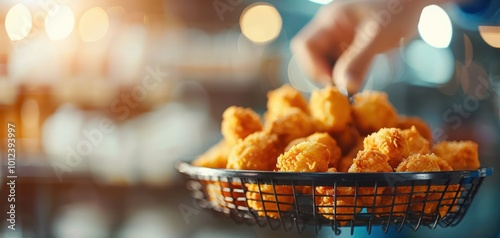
(261, 23)
(435, 27)
(431, 65)
(93, 24)
(18, 22)
(491, 35)
(60, 24)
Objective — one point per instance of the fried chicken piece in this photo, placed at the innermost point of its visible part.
(460, 155)
(263, 199)
(325, 139)
(419, 124)
(215, 157)
(347, 138)
(447, 196)
(238, 123)
(370, 161)
(331, 145)
(373, 111)
(330, 109)
(257, 151)
(285, 97)
(389, 141)
(343, 209)
(307, 156)
(419, 163)
(415, 143)
(393, 200)
(291, 125)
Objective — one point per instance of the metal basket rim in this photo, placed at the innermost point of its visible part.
(188, 169)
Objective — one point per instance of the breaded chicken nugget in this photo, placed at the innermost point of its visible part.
(284, 98)
(343, 209)
(389, 141)
(263, 199)
(460, 155)
(419, 124)
(370, 161)
(373, 111)
(293, 124)
(419, 163)
(307, 156)
(331, 145)
(415, 143)
(238, 123)
(215, 157)
(257, 151)
(325, 139)
(330, 109)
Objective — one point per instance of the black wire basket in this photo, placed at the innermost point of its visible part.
(296, 200)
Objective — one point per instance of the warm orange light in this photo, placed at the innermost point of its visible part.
(261, 23)
(491, 35)
(60, 24)
(18, 22)
(93, 24)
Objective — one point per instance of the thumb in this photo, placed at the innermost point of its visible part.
(352, 66)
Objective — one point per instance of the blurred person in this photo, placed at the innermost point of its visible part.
(338, 45)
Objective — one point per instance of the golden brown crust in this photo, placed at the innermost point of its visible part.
(373, 111)
(263, 199)
(285, 97)
(460, 155)
(293, 124)
(238, 123)
(330, 109)
(307, 156)
(415, 143)
(419, 124)
(258, 151)
(342, 209)
(389, 141)
(419, 163)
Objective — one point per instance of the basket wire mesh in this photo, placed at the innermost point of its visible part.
(296, 200)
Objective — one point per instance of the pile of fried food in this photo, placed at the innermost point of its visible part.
(330, 134)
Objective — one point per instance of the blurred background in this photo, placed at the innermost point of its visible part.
(107, 96)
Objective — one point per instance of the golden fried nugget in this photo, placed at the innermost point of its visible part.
(284, 98)
(307, 156)
(331, 145)
(325, 139)
(263, 199)
(419, 163)
(257, 151)
(308, 189)
(330, 109)
(443, 165)
(342, 209)
(238, 123)
(370, 161)
(415, 143)
(215, 157)
(460, 155)
(419, 124)
(291, 125)
(347, 138)
(389, 141)
(373, 111)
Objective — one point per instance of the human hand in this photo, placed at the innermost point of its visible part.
(339, 44)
